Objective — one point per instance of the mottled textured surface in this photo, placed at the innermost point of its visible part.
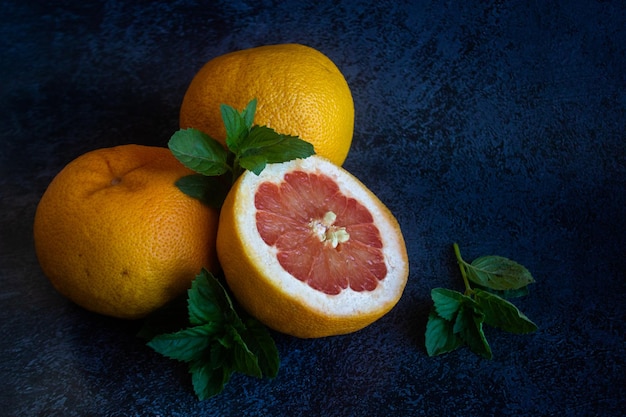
(499, 125)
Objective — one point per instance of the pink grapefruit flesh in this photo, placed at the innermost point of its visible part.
(322, 237)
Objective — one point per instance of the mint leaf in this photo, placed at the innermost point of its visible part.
(218, 342)
(249, 147)
(234, 125)
(498, 273)
(248, 113)
(253, 162)
(185, 345)
(457, 319)
(507, 294)
(199, 152)
(440, 337)
(264, 137)
(237, 345)
(503, 314)
(260, 342)
(218, 355)
(208, 301)
(211, 191)
(208, 380)
(446, 302)
(237, 124)
(265, 146)
(244, 360)
(469, 326)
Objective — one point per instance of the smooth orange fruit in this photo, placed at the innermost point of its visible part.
(299, 92)
(308, 250)
(115, 235)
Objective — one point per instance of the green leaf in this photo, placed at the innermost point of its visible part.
(260, 342)
(185, 345)
(248, 113)
(207, 380)
(253, 162)
(507, 294)
(233, 344)
(211, 191)
(218, 356)
(439, 336)
(226, 340)
(236, 129)
(263, 137)
(469, 326)
(446, 302)
(199, 152)
(237, 124)
(219, 343)
(265, 146)
(244, 360)
(208, 301)
(503, 314)
(463, 315)
(498, 273)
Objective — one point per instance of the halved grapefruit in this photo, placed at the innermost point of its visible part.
(308, 250)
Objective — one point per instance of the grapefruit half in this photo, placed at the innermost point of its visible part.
(309, 251)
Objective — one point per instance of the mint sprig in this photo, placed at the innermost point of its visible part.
(219, 340)
(456, 319)
(248, 147)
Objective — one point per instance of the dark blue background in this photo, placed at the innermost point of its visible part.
(498, 125)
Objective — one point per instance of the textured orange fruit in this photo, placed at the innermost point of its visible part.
(299, 92)
(114, 234)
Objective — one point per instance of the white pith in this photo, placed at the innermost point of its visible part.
(348, 302)
(327, 232)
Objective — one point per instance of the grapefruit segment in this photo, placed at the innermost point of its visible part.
(309, 250)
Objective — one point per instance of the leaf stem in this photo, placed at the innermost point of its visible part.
(462, 263)
(237, 170)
